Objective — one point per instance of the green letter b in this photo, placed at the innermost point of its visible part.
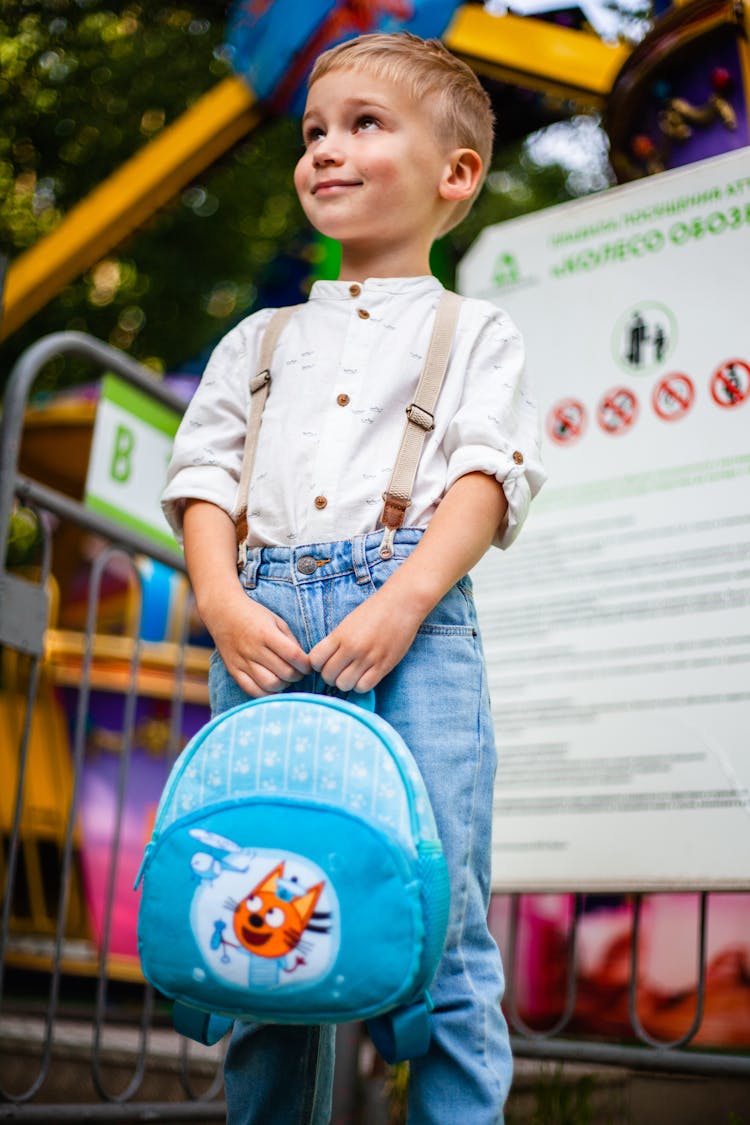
(119, 469)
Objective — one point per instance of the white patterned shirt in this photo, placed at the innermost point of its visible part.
(345, 369)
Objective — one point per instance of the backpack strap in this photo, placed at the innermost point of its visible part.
(420, 419)
(259, 388)
(403, 1033)
(203, 1027)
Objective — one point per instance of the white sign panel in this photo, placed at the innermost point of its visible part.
(130, 451)
(617, 628)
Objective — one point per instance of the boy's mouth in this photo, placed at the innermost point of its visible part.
(334, 185)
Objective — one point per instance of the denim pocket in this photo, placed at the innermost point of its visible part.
(454, 615)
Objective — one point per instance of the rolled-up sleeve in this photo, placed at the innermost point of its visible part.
(207, 454)
(496, 428)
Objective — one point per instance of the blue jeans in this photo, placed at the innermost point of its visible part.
(437, 699)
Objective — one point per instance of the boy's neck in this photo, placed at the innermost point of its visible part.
(358, 264)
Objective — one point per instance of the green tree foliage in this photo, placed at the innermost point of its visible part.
(83, 86)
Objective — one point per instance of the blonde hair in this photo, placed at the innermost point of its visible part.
(458, 104)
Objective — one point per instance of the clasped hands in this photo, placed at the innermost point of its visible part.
(264, 657)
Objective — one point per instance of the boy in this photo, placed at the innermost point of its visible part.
(398, 136)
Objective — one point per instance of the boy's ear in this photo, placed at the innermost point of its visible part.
(461, 176)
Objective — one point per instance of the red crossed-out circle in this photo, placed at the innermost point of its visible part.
(566, 421)
(617, 410)
(730, 383)
(673, 396)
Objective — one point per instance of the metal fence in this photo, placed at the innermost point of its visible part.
(646, 1052)
(83, 1037)
(93, 710)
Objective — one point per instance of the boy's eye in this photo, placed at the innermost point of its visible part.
(366, 121)
(312, 133)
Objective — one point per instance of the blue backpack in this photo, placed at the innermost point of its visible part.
(295, 875)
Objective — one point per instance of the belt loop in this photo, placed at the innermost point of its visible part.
(250, 572)
(359, 559)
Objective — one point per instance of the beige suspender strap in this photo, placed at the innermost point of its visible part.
(259, 388)
(420, 416)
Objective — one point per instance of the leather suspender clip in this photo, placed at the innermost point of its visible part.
(420, 417)
(397, 502)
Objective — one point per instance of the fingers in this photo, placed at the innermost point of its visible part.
(276, 648)
(340, 666)
(288, 648)
(264, 657)
(274, 667)
(275, 662)
(257, 681)
(333, 660)
(323, 651)
(368, 681)
(263, 673)
(354, 677)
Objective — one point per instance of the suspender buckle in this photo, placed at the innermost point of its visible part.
(420, 417)
(260, 380)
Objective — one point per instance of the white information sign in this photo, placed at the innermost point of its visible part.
(617, 628)
(130, 451)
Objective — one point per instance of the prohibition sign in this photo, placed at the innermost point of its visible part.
(673, 396)
(566, 421)
(730, 383)
(617, 410)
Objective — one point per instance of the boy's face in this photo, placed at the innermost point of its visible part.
(372, 167)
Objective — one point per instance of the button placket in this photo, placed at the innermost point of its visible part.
(352, 364)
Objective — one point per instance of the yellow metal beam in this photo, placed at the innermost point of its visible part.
(129, 196)
(535, 54)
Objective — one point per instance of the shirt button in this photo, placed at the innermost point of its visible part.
(363, 314)
(355, 290)
(518, 458)
(320, 502)
(343, 400)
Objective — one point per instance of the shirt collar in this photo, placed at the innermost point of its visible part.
(391, 286)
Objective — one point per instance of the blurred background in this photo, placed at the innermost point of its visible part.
(84, 84)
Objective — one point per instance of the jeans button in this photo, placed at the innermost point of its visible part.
(307, 564)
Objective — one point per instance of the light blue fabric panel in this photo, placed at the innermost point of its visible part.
(304, 747)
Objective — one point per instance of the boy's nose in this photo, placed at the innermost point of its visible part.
(327, 152)
(324, 159)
